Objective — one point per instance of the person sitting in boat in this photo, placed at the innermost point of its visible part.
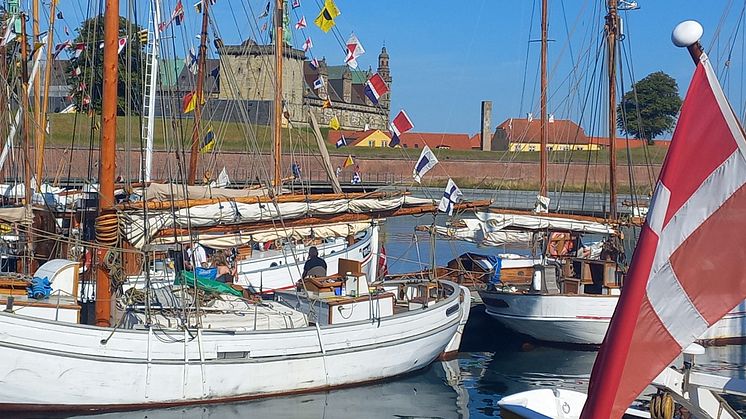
(225, 273)
(315, 266)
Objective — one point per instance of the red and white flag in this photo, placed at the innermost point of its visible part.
(121, 44)
(354, 50)
(399, 125)
(301, 23)
(375, 87)
(687, 271)
(308, 44)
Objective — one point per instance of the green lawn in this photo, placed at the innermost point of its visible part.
(251, 138)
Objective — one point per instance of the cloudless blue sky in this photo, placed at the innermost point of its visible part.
(448, 56)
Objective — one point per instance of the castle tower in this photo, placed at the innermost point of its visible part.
(383, 70)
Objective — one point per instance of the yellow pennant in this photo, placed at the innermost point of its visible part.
(334, 123)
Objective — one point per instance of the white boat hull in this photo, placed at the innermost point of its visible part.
(581, 319)
(55, 365)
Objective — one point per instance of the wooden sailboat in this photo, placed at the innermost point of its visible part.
(50, 364)
(667, 304)
(573, 300)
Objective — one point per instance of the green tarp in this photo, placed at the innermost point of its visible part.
(206, 284)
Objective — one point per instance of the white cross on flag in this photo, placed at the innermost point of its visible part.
(451, 196)
(688, 269)
(308, 44)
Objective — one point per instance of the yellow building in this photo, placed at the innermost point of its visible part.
(369, 138)
(517, 134)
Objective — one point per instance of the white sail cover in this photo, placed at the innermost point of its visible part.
(496, 222)
(227, 241)
(473, 231)
(495, 229)
(165, 191)
(134, 225)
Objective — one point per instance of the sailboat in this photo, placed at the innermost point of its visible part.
(572, 298)
(673, 295)
(396, 327)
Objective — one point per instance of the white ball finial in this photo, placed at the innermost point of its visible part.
(687, 33)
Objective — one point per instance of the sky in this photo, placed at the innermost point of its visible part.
(448, 56)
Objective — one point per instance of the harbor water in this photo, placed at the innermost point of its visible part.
(493, 362)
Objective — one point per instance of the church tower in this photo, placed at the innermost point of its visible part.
(383, 70)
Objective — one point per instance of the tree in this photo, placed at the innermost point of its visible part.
(650, 108)
(85, 73)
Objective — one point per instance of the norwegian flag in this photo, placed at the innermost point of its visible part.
(354, 50)
(687, 270)
(375, 87)
(399, 125)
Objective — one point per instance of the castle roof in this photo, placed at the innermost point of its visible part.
(187, 82)
(561, 131)
(351, 137)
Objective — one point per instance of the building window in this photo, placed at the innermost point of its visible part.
(416, 145)
(406, 146)
(371, 143)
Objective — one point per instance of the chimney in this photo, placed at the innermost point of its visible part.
(486, 122)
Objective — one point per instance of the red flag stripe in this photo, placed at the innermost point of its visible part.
(697, 147)
(715, 283)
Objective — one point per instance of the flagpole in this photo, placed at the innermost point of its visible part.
(543, 165)
(27, 191)
(199, 95)
(612, 26)
(277, 137)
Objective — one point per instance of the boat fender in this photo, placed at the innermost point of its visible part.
(40, 288)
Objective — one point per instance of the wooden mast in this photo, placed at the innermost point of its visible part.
(107, 153)
(199, 95)
(277, 132)
(37, 85)
(544, 129)
(42, 127)
(612, 27)
(27, 192)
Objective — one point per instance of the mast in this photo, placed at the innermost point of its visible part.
(42, 127)
(149, 91)
(612, 27)
(199, 95)
(544, 129)
(27, 192)
(37, 83)
(107, 152)
(277, 133)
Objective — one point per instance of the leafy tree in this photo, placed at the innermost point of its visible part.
(650, 108)
(85, 74)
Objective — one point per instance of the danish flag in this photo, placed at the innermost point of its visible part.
(687, 271)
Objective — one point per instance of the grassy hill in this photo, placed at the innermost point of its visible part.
(76, 130)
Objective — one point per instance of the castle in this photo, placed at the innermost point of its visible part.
(246, 73)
